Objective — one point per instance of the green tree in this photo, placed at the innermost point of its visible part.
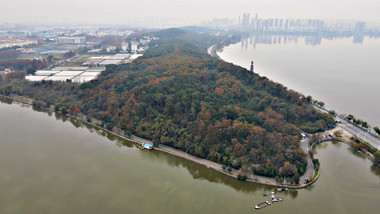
(296, 178)
(321, 104)
(365, 124)
(377, 130)
(332, 112)
(30, 71)
(309, 99)
(229, 169)
(337, 133)
(350, 117)
(57, 107)
(64, 110)
(377, 158)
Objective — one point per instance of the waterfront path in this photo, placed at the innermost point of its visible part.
(207, 163)
(309, 168)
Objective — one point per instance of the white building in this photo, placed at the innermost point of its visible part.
(71, 40)
(134, 46)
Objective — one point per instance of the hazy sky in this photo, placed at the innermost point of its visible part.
(190, 11)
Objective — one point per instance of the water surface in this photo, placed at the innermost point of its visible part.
(342, 72)
(51, 164)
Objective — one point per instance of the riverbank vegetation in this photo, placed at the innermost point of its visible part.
(178, 95)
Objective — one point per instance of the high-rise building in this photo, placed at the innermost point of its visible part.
(360, 27)
(246, 21)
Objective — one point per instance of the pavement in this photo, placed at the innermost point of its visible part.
(359, 132)
(309, 168)
(355, 130)
(201, 161)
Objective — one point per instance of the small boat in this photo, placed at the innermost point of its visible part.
(277, 199)
(262, 205)
(282, 189)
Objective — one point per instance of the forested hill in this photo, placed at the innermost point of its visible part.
(180, 96)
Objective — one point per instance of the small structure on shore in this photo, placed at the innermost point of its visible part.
(147, 146)
(252, 67)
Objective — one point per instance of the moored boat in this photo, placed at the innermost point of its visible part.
(262, 205)
(282, 189)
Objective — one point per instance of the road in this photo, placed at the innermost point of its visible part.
(309, 168)
(354, 130)
(362, 134)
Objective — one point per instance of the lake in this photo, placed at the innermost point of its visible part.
(53, 164)
(342, 72)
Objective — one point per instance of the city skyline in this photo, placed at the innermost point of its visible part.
(179, 12)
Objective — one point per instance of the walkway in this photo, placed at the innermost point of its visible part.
(309, 168)
(207, 163)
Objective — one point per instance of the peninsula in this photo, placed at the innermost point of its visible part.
(177, 95)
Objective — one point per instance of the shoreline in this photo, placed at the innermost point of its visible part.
(172, 151)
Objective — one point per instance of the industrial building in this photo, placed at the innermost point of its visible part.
(71, 40)
(74, 74)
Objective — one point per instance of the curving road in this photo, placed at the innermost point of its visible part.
(309, 168)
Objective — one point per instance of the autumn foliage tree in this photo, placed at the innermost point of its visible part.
(179, 96)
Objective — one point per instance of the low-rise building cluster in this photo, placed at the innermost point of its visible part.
(74, 74)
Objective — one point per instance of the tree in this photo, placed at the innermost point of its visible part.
(358, 122)
(68, 55)
(377, 158)
(321, 104)
(377, 130)
(64, 110)
(296, 178)
(314, 138)
(56, 107)
(337, 133)
(74, 110)
(279, 179)
(30, 71)
(350, 117)
(229, 169)
(241, 175)
(365, 125)
(50, 58)
(309, 99)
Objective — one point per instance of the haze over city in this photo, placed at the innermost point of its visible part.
(179, 12)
